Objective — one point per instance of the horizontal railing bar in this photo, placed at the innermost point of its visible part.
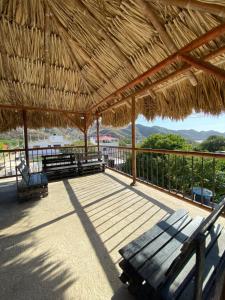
(45, 148)
(175, 152)
(144, 150)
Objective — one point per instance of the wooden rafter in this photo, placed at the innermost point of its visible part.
(211, 8)
(145, 90)
(166, 39)
(43, 109)
(203, 65)
(214, 33)
(40, 86)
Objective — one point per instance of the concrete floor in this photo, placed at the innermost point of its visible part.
(65, 246)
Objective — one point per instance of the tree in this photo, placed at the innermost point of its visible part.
(166, 141)
(213, 143)
(178, 172)
(124, 142)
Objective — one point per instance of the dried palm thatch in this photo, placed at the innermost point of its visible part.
(69, 55)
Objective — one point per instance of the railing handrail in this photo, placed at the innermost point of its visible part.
(44, 148)
(177, 152)
(145, 150)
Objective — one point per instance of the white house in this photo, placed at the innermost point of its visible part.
(51, 141)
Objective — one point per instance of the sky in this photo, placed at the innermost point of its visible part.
(195, 121)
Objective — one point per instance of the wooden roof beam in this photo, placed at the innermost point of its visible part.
(203, 65)
(143, 92)
(32, 108)
(211, 8)
(205, 38)
(166, 39)
(8, 81)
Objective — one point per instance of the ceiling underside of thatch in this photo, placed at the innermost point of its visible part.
(71, 54)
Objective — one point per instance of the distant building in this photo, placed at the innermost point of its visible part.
(105, 140)
(52, 141)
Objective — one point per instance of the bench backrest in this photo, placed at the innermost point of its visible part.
(195, 244)
(23, 169)
(90, 156)
(49, 161)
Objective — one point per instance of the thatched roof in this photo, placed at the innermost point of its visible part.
(70, 55)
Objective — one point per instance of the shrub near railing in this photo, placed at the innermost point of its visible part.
(176, 171)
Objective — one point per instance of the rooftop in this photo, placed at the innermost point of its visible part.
(51, 248)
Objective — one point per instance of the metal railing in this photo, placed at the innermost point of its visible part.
(8, 158)
(197, 176)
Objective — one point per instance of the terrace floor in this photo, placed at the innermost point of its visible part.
(65, 246)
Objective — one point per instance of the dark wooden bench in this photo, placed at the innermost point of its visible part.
(31, 185)
(60, 165)
(90, 162)
(161, 263)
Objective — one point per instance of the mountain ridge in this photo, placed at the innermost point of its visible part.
(142, 132)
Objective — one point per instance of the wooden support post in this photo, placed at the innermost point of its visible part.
(133, 116)
(25, 137)
(85, 136)
(97, 129)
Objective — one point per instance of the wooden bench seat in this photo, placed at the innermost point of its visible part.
(31, 185)
(60, 165)
(91, 162)
(161, 263)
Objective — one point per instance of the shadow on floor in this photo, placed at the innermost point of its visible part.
(139, 193)
(25, 275)
(97, 244)
(30, 276)
(83, 202)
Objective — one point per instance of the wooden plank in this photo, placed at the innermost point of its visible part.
(139, 260)
(59, 162)
(90, 164)
(211, 263)
(157, 258)
(55, 168)
(172, 290)
(135, 246)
